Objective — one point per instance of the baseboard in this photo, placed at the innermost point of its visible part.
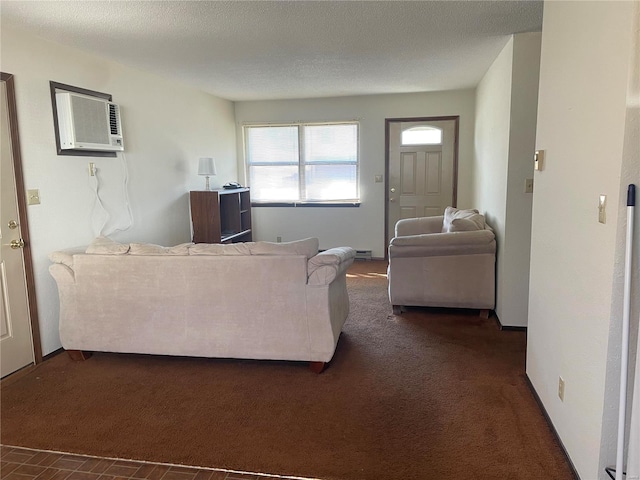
(508, 328)
(551, 427)
(53, 354)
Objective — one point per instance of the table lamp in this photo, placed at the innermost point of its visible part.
(206, 167)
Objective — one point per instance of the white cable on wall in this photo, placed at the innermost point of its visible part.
(94, 182)
(125, 187)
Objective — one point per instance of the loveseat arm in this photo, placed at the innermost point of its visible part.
(326, 266)
(443, 244)
(419, 225)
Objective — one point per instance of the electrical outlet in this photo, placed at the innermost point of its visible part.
(92, 169)
(528, 185)
(561, 388)
(279, 239)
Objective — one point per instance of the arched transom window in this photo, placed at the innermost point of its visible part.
(422, 135)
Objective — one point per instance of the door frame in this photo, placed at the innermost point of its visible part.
(22, 215)
(387, 123)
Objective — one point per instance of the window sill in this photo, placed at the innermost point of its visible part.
(306, 204)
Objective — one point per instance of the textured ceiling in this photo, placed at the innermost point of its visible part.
(248, 50)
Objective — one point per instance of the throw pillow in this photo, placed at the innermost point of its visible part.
(307, 247)
(474, 220)
(105, 246)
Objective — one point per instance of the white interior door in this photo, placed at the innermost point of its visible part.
(16, 343)
(422, 169)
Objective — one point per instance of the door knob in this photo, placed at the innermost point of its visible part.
(13, 224)
(16, 244)
(393, 190)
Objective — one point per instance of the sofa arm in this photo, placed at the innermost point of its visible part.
(418, 226)
(326, 266)
(65, 257)
(62, 274)
(441, 244)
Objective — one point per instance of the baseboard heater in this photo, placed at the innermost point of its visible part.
(363, 254)
(360, 254)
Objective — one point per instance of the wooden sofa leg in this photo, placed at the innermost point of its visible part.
(317, 367)
(397, 309)
(484, 313)
(78, 355)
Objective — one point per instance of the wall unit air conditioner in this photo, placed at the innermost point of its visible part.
(88, 123)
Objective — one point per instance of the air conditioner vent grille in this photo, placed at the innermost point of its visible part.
(113, 119)
(89, 120)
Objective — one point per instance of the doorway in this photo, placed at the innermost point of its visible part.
(19, 332)
(421, 168)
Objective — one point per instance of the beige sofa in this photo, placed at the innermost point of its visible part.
(252, 300)
(443, 261)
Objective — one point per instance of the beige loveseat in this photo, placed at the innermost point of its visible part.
(443, 261)
(251, 300)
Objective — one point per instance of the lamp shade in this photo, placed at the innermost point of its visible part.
(206, 166)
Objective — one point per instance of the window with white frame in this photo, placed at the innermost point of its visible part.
(302, 163)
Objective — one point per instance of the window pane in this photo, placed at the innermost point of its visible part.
(272, 144)
(331, 143)
(331, 182)
(422, 136)
(276, 183)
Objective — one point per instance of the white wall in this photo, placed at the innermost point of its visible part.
(491, 154)
(585, 62)
(506, 106)
(363, 227)
(166, 128)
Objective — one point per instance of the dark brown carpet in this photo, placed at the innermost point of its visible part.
(430, 395)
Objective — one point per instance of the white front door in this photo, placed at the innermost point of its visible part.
(16, 343)
(422, 169)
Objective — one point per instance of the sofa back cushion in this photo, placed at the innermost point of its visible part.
(307, 247)
(151, 249)
(220, 249)
(105, 246)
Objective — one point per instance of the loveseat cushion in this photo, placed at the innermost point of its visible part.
(105, 246)
(462, 220)
(151, 249)
(307, 247)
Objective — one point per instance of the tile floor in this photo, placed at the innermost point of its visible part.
(25, 464)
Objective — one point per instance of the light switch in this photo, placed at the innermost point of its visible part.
(538, 160)
(602, 209)
(33, 197)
